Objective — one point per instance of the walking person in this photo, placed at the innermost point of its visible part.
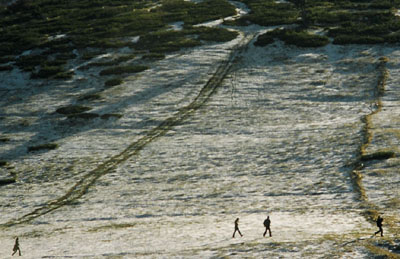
(16, 247)
(267, 225)
(236, 228)
(379, 224)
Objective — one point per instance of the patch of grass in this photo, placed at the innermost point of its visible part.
(124, 58)
(379, 252)
(265, 39)
(72, 109)
(7, 59)
(292, 37)
(48, 72)
(393, 202)
(7, 181)
(381, 155)
(47, 146)
(4, 139)
(91, 54)
(370, 214)
(64, 75)
(153, 56)
(90, 97)
(6, 68)
(113, 82)
(129, 69)
(356, 178)
(165, 41)
(267, 13)
(28, 63)
(216, 34)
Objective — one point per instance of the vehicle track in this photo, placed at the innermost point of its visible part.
(89, 179)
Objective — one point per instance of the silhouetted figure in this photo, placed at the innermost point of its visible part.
(16, 247)
(267, 225)
(236, 228)
(379, 224)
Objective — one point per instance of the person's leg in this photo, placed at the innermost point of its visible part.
(270, 233)
(240, 233)
(265, 232)
(381, 230)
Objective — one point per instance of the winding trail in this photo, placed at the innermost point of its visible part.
(356, 175)
(370, 210)
(82, 186)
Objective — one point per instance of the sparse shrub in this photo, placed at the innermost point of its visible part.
(3, 163)
(123, 70)
(72, 109)
(48, 146)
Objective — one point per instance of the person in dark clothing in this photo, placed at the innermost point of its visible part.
(236, 228)
(267, 225)
(16, 247)
(379, 224)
